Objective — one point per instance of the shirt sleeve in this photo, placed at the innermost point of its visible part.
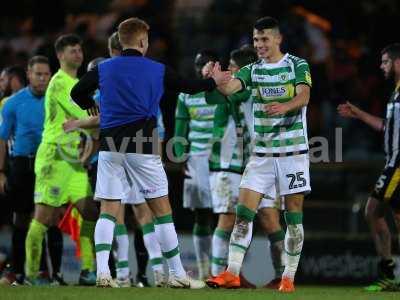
(82, 92)
(302, 73)
(181, 125)
(244, 75)
(8, 124)
(173, 81)
(215, 97)
(240, 97)
(57, 93)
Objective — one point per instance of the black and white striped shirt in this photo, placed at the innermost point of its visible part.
(392, 129)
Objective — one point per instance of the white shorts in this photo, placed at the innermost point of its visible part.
(224, 191)
(119, 174)
(272, 200)
(290, 175)
(133, 196)
(196, 187)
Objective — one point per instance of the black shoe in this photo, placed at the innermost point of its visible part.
(141, 281)
(58, 279)
(386, 268)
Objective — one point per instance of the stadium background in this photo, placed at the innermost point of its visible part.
(342, 43)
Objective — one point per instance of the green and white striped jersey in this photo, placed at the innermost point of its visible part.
(200, 116)
(276, 82)
(231, 139)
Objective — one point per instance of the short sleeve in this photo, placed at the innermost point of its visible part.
(244, 75)
(302, 73)
(181, 109)
(8, 124)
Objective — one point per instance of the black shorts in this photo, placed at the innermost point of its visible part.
(21, 184)
(387, 187)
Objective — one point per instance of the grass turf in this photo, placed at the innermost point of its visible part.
(302, 292)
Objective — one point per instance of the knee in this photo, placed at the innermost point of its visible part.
(143, 216)
(226, 222)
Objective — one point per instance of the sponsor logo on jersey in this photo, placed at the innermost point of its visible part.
(284, 77)
(308, 77)
(267, 92)
(202, 112)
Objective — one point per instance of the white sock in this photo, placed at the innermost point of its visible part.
(166, 235)
(202, 247)
(220, 250)
(276, 241)
(153, 247)
(294, 239)
(240, 238)
(122, 239)
(240, 241)
(103, 236)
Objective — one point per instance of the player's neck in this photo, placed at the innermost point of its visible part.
(70, 71)
(274, 58)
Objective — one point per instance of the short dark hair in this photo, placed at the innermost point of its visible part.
(393, 50)
(244, 56)
(17, 71)
(266, 23)
(38, 59)
(114, 43)
(66, 40)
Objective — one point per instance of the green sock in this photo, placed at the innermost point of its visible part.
(33, 248)
(87, 241)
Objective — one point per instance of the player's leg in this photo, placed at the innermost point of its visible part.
(147, 173)
(384, 195)
(144, 217)
(142, 256)
(55, 245)
(43, 218)
(197, 196)
(269, 220)
(122, 249)
(293, 177)
(257, 179)
(225, 194)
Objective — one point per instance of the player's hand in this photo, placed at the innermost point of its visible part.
(206, 71)
(3, 183)
(348, 110)
(220, 77)
(70, 125)
(93, 111)
(276, 108)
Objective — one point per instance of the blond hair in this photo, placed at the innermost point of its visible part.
(130, 30)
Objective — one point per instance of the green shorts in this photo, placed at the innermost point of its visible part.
(60, 178)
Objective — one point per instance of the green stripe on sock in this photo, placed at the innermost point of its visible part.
(156, 261)
(293, 254)
(201, 230)
(293, 218)
(219, 261)
(164, 220)
(225, 235)
(245, 213)
(122, 264)
(276, 236)
(171, 253)
(120, 229)
(148, 228)
(242, 248)
(103, 247)
(108, 217)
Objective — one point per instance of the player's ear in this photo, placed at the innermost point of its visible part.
(396, 65)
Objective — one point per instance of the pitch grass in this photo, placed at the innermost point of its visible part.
(302, 292)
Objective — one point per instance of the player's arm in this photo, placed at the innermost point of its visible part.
(6, 129)
(349, 110)
(91, 122)
(173, 81)
(300, 100)
(82, 92)
(182, 119)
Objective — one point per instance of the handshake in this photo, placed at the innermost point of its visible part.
(213, 70)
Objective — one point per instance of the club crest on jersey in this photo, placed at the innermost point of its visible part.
(283, 77)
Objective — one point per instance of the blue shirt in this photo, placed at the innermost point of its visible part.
(130, 90)
(23, 118)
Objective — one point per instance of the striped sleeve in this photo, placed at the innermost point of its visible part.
(302, 72)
